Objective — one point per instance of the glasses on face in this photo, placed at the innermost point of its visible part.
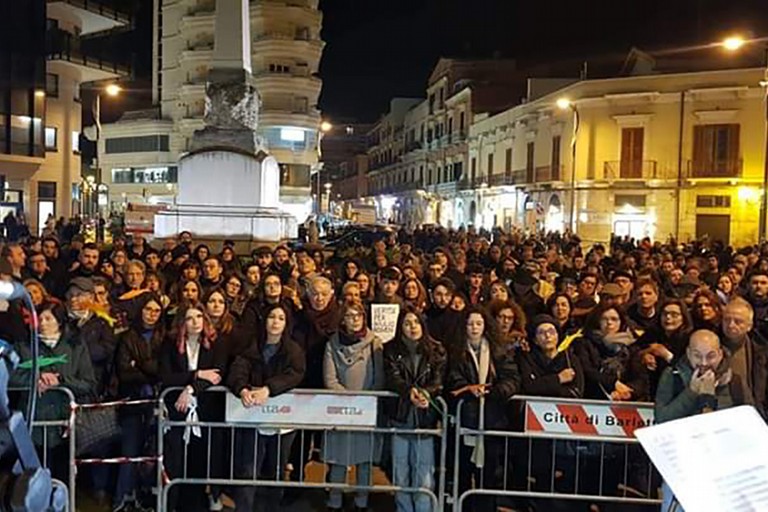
(352, 315)
(550, 331)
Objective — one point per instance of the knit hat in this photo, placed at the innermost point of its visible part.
(541, 320)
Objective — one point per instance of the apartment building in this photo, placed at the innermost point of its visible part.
(43, 70)
(140, 152)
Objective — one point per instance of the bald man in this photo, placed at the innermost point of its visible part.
(700, 382)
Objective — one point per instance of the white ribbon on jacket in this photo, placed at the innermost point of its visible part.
(192, 417)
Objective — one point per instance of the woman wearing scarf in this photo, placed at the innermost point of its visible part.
(138, 376)
(353, 362)
(273, 366)
(604, 353)
(64, 361)
(415, 364)
(483, 374)
(658, 348)
(190, 360)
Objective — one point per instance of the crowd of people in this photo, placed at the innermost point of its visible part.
(482, 317)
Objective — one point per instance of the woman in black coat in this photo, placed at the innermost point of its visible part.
(274, 366)
(483, 374)
(193, 361)
(414, 364)
(138, 375)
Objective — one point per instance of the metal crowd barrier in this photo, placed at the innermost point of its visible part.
(567, 450)
(67, 427)
(312, 436)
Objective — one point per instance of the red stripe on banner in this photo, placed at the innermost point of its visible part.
(629, 419)
(576, 418)
(531, 421)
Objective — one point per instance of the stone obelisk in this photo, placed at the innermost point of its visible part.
(229, 186)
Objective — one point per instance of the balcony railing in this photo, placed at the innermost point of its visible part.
(731, 168)
(100, 8)
(631, 170)
(63, 46)
(508, 178)
(413, 146)
(548, 173)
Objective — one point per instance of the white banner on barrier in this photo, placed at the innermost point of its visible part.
(590, 418)
(306, 410)
(384, 320)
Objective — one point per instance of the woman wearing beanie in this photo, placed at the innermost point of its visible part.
(353, 362)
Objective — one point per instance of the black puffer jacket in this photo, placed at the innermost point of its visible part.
(284, 371)
(540, 374)
(401, 378)
(99, 337)
(504, 381)
(138, 363)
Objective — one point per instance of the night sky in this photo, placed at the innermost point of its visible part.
(378, 49)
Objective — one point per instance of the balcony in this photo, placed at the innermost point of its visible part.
(413, 146)
(547, 173)
(507, 179)
(63, 47)
(730, 168)
(95, 17)
(631, 170)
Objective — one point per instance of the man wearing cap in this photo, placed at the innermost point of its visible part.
(91, 330)
(626, 282)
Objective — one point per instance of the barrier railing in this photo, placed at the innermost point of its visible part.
(583, 451)
(260, 448)
(43, 432)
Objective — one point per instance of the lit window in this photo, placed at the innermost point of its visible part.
(76, 142)
(292, 134)
(51, 144)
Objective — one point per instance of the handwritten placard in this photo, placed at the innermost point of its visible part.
(384, 320)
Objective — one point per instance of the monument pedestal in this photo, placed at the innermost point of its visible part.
(228, 194)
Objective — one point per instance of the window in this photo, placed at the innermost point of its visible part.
(146, 143)
(631, 165)
(122, 175)
(52, 85)
(292, 134)
(147, 175)
(490, 164)
(473, 169)
(713, 201)
(634, 200)
(46, 190)
(529, 162)
(76, 142)
(716, 151)
(279, 68)
(555, 160)
(461, 123)
(51, 144)
(508, 161)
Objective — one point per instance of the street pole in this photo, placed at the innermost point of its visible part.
(572, 209)
(764, 198)
(97, 121)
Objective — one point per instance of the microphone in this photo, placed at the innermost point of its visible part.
(11, 290)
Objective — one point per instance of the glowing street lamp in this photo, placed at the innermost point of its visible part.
(564, 103)
(733, 43)
(325, 127)
(113, 89)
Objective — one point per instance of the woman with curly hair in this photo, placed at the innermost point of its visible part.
(707, 311)
(510, 320)
(415, 295)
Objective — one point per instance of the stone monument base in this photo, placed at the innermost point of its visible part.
(256, 224)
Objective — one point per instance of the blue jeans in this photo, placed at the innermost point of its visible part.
(413, 460)
(338, 475)
(668, 502)
(135, 430)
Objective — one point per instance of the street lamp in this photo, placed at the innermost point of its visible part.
(325, 127)
(567, 104)
(112, 90)
(733, 44)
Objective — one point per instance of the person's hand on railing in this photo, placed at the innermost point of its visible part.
(418, 399)
(184, 400)
(254, 397)
(47, 381)
(621, 391)
(211, 376)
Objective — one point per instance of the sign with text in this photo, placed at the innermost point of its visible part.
(305, 409)
(384, 320)
(587, 418)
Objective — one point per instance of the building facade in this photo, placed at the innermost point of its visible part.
(656, 155)
(286, 50)
(42, 72)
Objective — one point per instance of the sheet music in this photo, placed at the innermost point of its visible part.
(713, 462)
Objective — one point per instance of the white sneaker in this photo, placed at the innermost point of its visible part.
(215, 504)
